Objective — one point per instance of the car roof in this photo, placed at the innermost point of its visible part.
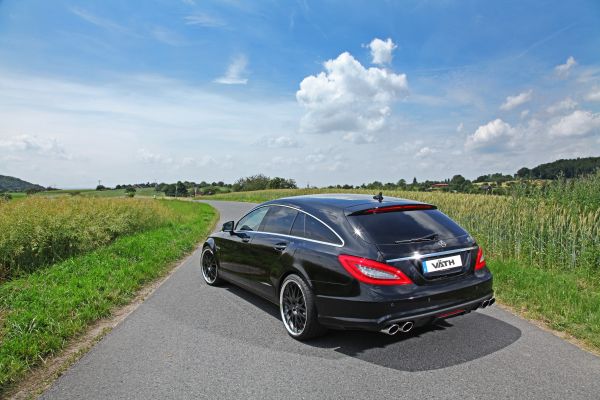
(324, 205)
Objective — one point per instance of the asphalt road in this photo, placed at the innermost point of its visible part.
(189, 340)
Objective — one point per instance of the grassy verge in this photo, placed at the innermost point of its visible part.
(41, 312)
(565, 301)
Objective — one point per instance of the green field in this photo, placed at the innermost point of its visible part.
(141, 192)
(42, 311)
(38, 231)
(545, 254)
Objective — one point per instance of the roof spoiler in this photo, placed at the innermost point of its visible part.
(393, 208)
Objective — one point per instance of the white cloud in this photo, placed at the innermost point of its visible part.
(494, 133)
(358, 138)
(594, 95)
(563, 70)
(460, 127)
(425, 152)
(277, 142)
(235, 72)
(348, 97)
(566, 104)
(49, 147)
(204, 20)
(168, 118)
(153, 158)
(579, 123)
(515, 101)
(381, 51)
(524, 113)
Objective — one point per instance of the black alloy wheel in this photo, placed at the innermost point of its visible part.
(210, 267)
(298, 312)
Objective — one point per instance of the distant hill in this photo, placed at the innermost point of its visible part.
(568, 168)
(12, 184)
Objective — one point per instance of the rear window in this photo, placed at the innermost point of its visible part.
(388, 228)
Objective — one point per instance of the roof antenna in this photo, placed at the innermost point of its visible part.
(379, 197)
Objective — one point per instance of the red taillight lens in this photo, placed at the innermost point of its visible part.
(480, 263)
(373, 272)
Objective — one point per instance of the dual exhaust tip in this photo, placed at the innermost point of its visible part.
(395, 328)
(407, 326)
(488, 302)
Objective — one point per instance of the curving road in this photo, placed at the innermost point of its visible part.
(189, 340)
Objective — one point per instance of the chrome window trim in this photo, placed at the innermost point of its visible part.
(418, 256)
(296, 237)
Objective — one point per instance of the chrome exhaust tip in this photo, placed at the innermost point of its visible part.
(391, 330)
(407, 326)
(492, 301)
(485, 303)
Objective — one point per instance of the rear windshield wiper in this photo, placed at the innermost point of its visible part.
(427, 238)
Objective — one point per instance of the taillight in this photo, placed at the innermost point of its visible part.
(480, 263)
(373, 272)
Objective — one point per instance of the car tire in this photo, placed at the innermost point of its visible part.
(297, 309)
(209, 266)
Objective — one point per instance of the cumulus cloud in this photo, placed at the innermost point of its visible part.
(566, 104)
(381, 51)
(563, 70)
(594, 95)
(49, 147)
(578, 123)
(425, 152)
(515, 101)
(347, 97)
(524, 113)
(358, 138)
(494, 133)
(276, 142)
(235, 72)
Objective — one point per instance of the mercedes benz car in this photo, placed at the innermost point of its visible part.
(344, 261)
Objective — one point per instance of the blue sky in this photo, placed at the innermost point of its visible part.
(323, 92)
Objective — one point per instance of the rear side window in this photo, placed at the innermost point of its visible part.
(391, 227)
(279, 220)
(252, 221)
(308, 227)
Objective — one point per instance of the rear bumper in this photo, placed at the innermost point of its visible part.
(421, 306)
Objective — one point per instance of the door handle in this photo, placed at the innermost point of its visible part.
(280, 246)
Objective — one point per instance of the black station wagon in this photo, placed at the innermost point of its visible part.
(351, 262)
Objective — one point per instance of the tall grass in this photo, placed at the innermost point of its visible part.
(539, 231)
(37, 231)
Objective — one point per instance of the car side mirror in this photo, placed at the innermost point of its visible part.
(228, 226)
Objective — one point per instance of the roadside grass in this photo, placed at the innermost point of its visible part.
(41, 312)
(565, 301)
